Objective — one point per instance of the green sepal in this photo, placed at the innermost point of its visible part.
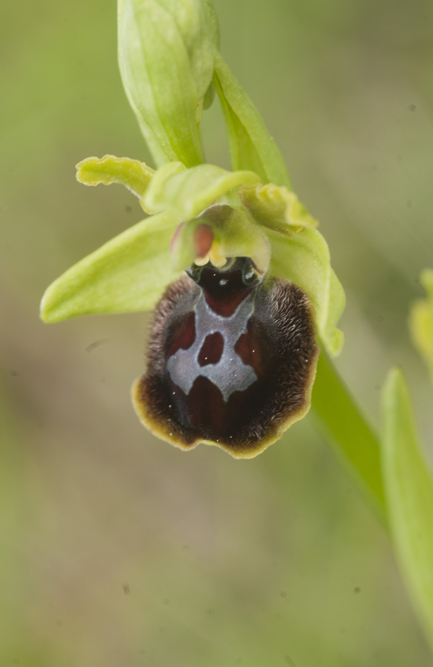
(126, 274)
(276, 207)
(187, 192)
(304, 259)
(166, 58)
(133, 174)
(235, 233)
(251, 146)
(421, 321)
(409, 494)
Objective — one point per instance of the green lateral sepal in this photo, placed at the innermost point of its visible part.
(304, 259)
(126, 274)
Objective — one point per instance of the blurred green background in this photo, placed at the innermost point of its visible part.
(117, 550)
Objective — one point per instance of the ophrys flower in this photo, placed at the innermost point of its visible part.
(237, 274)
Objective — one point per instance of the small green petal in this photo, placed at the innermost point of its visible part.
(251, 146)
(133, 174)
(129, 273)
(304, 259)
(276, 207)
(409, 494)
(421, 321)
(166, 54)
(187, 192)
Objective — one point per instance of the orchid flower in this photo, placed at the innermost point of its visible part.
(231, 263)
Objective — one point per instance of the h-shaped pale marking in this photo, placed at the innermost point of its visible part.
(230, 373)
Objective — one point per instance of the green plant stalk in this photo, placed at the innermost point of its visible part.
(344, 427)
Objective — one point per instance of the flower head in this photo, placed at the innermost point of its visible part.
(232, 263)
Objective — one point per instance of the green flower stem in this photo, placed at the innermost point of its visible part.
(346, 430)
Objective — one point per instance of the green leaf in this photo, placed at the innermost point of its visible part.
(129, 273)
(133, 174)
(421, 321)
(251, 146)
(409, 493)
(345, 428)
(276, 207)
(187, 192)
(166, 58)
(303, 258)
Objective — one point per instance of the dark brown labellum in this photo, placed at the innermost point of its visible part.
(231, 360)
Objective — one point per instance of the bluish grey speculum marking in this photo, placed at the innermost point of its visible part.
(230, 373)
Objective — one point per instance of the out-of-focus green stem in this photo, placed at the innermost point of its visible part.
(344, 426)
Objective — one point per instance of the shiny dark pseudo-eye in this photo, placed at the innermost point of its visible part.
(231, 360)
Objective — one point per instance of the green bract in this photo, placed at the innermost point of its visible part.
(166, 57)
(251, 146)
